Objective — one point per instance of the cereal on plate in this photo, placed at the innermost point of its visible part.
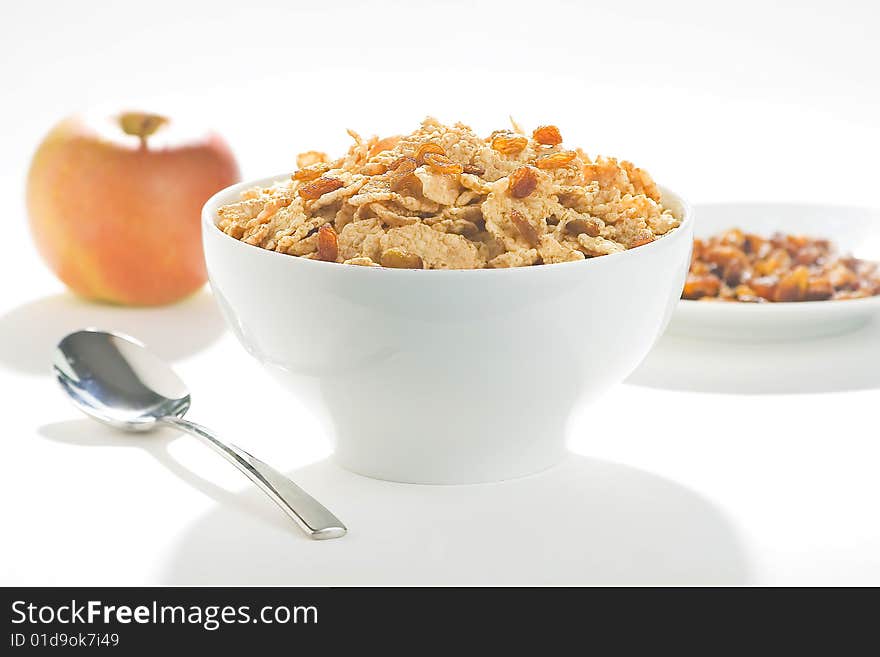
(740, 266)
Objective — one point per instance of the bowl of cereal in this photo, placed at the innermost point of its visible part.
(446, 301)
(780, 271)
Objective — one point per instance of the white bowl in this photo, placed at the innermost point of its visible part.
(446, 376)
(854, 230)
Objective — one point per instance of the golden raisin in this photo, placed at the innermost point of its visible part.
(508, 144)
(753, 244)
(581, 225)
(722, 254)
(697, 287)
(328, 244)
(442, 164)
(424, 149)
(733, 237)
(525, 229)
(522, 182)
(819, 289)
(842, 276)
(794, 243)
(547, 135)
(808, 255)
(395, 258)
(743, 290)
(734, 271)
(317, 188)
(793, 286)
(400, 173)
(764, 286)
(555, 160)
(778, 260)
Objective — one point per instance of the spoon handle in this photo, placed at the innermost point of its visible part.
(311, 515)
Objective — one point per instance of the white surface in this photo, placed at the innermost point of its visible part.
(854, 230)
(440, 377)
(749, 101)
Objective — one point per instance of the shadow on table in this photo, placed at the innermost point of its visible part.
(29, 333)
(583, 522)
(832, 364)
(88, 433)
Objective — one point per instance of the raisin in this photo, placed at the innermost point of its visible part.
(525, 229)
(317, 188)
(547, 135)
(395, 258)
(555, 160)
(819, 289)
(777, 261)
(442, 163)
(793, 286)
(581, 225)
(764, 286)
(522, 182)
(400, 173)
(807, 255)
(722, 255)
(753, 243)
(842, 276)
(328, 244)
(698, 287)
(508, 144)
(473, 169)
(734, 237)
(425, 149)
(734, 271)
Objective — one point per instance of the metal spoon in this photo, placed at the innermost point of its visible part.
(114, 379)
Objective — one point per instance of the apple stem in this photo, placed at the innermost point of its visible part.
(141, 125)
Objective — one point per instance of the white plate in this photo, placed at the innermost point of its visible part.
(853, 230)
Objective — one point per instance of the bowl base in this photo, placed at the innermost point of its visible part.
(460, 476)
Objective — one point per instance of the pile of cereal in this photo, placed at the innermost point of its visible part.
(444, 198)
(739, 266)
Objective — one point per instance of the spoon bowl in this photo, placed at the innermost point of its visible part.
(116, 380)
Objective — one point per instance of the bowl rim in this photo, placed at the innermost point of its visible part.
(222, 197)
(778, 307)
(789, 306)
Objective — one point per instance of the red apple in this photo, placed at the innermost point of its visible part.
(114, 205)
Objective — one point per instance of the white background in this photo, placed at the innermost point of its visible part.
(745, 101)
